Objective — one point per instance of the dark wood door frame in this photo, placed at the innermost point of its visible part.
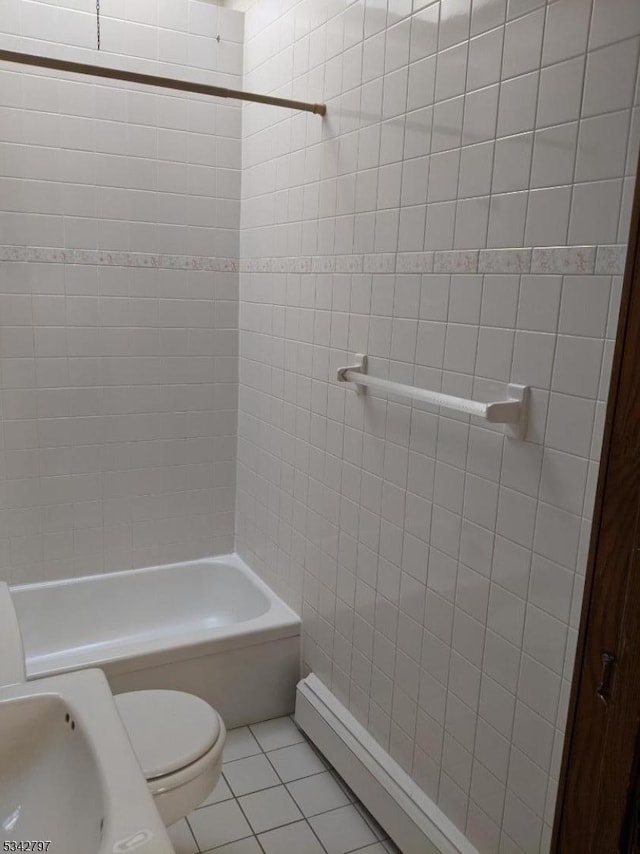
(600, 753)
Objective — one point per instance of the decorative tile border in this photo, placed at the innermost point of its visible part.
(380, 263)
(505, 261)
(546, 260)
(349, 263)
(100, 258)
(456, 261)
(608, 260)
(568, 260)
(414, 262)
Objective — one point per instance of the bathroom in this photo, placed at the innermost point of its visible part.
(302, 405)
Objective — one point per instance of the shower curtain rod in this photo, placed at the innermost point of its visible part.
(153, 80)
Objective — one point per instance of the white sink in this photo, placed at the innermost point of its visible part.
(68, 774)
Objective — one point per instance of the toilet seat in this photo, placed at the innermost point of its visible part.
(169, 730)
(178, 739)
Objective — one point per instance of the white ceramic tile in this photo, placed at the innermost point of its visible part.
(506, 614)
(545, 638)
(501, 661)
(451, 72)
(480, 115)
(443, 176)
(518, 99)
(570, 424)
(455, 16)
(492, 749)
(239, 744)
(500, 300)
(295, 838)
(527, 781)
(249, 845)
(269, 808)
(602, 145)
(585, 305)
(476, 163)
(577, 365)
(485, 52)
(533, 359)
(487, 15)
(609, 83)
(554, 153)
(496, 707)
(342, 830)
(566, 31)
(249, 775)
(551, 587)
(548, 216)
(522, 44)
(520, 823)
(297, 761)
(424, 33)
(586, 220)
(507, 219)
(279, 732)
(512, 164)
(563, 480)
(222, 792)
(218, 825)
(613, 22)
(539, 303)
(318, 793)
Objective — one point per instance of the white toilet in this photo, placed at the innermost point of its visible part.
(177, 737)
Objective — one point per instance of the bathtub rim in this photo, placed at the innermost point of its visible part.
(278, 622)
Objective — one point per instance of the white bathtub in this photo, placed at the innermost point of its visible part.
(210, 627)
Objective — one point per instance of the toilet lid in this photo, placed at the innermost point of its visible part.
(168, 729)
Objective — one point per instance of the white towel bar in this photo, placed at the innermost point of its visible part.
(513, 412)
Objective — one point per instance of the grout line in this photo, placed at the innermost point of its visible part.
(380, 835)
(193, 836)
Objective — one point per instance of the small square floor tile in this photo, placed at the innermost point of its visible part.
(295, 762)
(279, 732)
(244, 846)
(269, 808)
(293, 839)
(222, 792)
(250, 775)
(182, 838)
(342, 830)
(376, 848)
(239, 744)
(317, 794)
(218, 825)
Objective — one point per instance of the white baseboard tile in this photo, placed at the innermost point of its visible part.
(411, 819)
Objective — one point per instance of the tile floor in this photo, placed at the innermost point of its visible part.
(278, 795)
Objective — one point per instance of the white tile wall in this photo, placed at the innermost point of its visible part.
(459, 215)
(119, 216)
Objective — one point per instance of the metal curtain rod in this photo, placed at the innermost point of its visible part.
(153, 80)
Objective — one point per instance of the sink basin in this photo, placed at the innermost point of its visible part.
(68, 774)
